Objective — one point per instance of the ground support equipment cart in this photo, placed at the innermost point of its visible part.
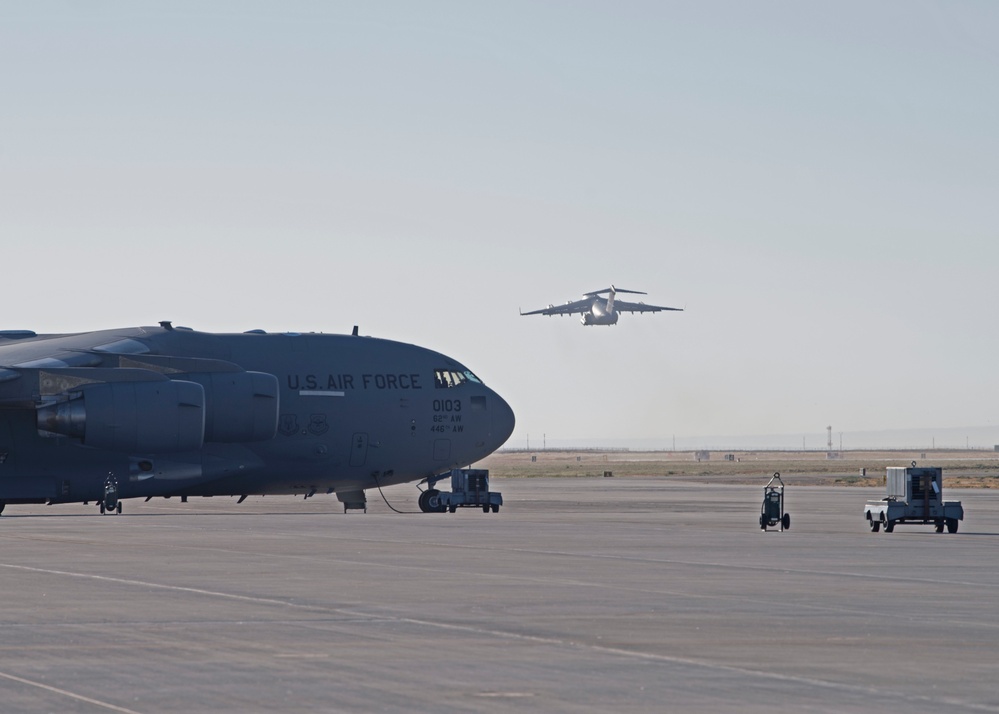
(913, 495)
(469, 489)
(772, 512)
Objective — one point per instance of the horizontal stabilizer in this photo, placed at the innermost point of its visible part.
(612, 289)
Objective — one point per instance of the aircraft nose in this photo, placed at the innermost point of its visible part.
(503, 420)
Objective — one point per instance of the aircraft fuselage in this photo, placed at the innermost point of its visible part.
(600, 314)
(280, 414)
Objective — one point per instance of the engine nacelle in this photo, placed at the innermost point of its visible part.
(146, 417)
(239, 406)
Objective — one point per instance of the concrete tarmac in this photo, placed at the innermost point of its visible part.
(580, 595)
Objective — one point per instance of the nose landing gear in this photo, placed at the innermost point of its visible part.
(430, 501)
(469, 488)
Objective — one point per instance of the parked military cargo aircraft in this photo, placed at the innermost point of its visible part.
(162, 411)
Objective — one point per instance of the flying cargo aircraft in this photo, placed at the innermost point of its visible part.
(597, 310)
(168, 411)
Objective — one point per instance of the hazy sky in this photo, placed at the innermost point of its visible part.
(817, 183)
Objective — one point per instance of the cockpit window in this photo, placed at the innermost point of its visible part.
(448, 378)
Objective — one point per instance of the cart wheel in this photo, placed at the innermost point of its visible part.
(875, 526)
(119, 506)
(952, 525)
(786, 521)
(102, 508)
(889, 526)
(495, 508)
(938, 527)
(485, 508)
(451, 508)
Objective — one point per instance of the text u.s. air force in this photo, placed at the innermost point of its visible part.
(345, 382)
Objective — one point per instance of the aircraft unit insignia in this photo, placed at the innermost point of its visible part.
(318, 425)
(288, 424)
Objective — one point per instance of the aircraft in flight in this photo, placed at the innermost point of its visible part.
(597, 310)
(145, 412)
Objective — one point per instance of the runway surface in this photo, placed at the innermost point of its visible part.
(580, 595)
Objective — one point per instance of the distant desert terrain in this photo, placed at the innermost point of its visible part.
(962, 468)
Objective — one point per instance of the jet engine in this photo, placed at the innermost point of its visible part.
(147, 417)
(239, 406)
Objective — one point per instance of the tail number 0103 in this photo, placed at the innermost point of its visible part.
(447, 405)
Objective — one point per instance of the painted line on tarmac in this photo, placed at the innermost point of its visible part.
(857, 689)
(66, 693)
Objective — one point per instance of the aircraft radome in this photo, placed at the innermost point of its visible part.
(167, 411)
(597, 310)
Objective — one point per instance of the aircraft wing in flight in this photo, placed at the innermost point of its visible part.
(569, 308)
(622, 306)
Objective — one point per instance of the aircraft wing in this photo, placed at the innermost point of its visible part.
(569, 308)
(94, 385)
(622, 306)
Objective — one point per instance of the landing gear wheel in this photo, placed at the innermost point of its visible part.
(119, 507)
(495, 508)
(429, 503)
